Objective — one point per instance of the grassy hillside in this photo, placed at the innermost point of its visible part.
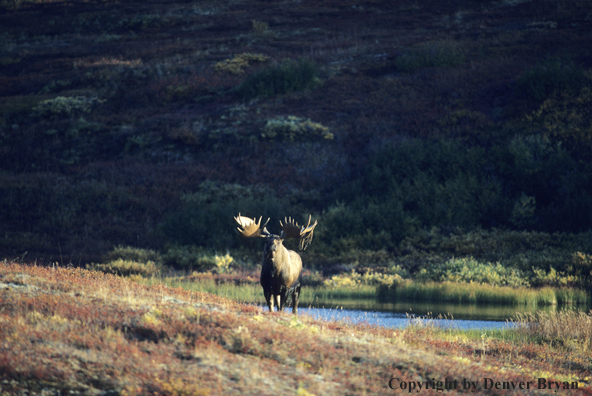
(151, 123)
(75, 331)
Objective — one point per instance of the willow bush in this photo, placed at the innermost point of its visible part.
(289, 76)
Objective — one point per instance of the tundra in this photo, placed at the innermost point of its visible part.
(281, 268)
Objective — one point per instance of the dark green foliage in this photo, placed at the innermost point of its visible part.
(126, 268)
(558, 181)
(363, 226)
(410, 185)
(57, 209)
(194, 258)
(443, 54)
(289, 76)
(550, 77)
(434, 183)
(469, 270)
(526, 183)
(207, 216)
(129, 253)
(101, 138)
(581, 267)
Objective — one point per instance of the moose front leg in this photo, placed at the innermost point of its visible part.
(269, 299)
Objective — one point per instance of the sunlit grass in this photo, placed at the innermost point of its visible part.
(248, 293)
(473, 293)
(251, 292)
(566, 328)
(451, 292)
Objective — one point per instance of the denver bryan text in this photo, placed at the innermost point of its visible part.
(472, 386)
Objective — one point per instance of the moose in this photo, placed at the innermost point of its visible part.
(281, 268)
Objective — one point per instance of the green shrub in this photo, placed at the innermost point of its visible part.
(126, 268)
(290, 76)
(546, 171)
(54, 86)
(354, 279)
(261, 29)
(527, 182)
(65, 106)
(523, 212)
(438, 182)
(312, 278)
(469, 270)
(139, 22)
(294, 128)
(522, 250)
(439, 54)
(239, 63)
(471, 293)
(192, 258)
(553, 76)
(206, 217)
(346, 231)
(129, 253)
(581, 266)
(541, 277)
(566, 118)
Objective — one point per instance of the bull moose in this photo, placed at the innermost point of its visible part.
(281, 268)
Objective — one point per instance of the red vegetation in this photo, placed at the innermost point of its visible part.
(71, 329)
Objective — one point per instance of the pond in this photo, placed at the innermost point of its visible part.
(461, 316)
(364, 307)
(394, 319)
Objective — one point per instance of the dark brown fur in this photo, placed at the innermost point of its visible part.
(280, 275)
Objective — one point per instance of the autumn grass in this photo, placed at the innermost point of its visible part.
(251, 292)
(404, 290)
(109, 334)
(473, 293)
(563, 330)
(567, 328)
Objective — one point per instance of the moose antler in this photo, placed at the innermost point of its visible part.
(249, 228)
(306, 234)
(291, 230)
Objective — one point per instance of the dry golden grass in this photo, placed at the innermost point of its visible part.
(566, 328)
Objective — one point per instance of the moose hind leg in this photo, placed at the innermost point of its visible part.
(283, 299)
(278, 302)
(295, 298)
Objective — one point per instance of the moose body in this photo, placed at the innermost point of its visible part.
(281, 268)
(280, 275)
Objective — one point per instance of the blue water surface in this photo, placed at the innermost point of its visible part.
(395, 319)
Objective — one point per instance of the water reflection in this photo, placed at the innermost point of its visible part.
(465, 316)
(390, 319)
(458, 311)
